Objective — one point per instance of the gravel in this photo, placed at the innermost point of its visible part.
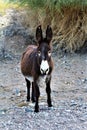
(65, 116)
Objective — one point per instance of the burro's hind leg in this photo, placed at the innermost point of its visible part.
(28, 89)
(33, 97)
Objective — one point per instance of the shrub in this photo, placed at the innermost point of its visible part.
(68, 19)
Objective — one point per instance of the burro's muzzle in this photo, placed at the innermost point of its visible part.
(44, 67)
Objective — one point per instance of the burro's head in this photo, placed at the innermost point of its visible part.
(44, 49)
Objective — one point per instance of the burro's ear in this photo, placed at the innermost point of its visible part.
(49, 34)
(39, 35)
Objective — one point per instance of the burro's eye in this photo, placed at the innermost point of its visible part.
(49, 53)
(39, 53)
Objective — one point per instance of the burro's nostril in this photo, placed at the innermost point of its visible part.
(47, 70)
(41, 71)
(44, 71)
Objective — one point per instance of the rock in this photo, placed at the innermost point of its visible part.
(22, 104)
(3, 111)
(28, 110)
(73, 103)
(16, 92)
(11, 25)
(84, 80)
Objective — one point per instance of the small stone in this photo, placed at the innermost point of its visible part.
(16, 91)
(3, 111)
(73, 103)
(28, 110)
(22, 104)
(84, 80)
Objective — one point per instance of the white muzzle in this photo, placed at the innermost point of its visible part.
(44, 67)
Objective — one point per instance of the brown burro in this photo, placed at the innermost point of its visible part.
(37, 66)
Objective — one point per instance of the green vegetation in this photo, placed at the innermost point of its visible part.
(56, 4)
(4, 4)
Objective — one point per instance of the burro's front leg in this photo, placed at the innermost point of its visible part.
(48, 90)
(37, 94)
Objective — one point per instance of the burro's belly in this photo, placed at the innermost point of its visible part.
(30, 78)
(41, 81)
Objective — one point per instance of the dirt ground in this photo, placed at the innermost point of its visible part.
(69, 92)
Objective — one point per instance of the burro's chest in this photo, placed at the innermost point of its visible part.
(42, 80)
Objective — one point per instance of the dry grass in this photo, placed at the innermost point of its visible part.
(69, 24)
(72, 28)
